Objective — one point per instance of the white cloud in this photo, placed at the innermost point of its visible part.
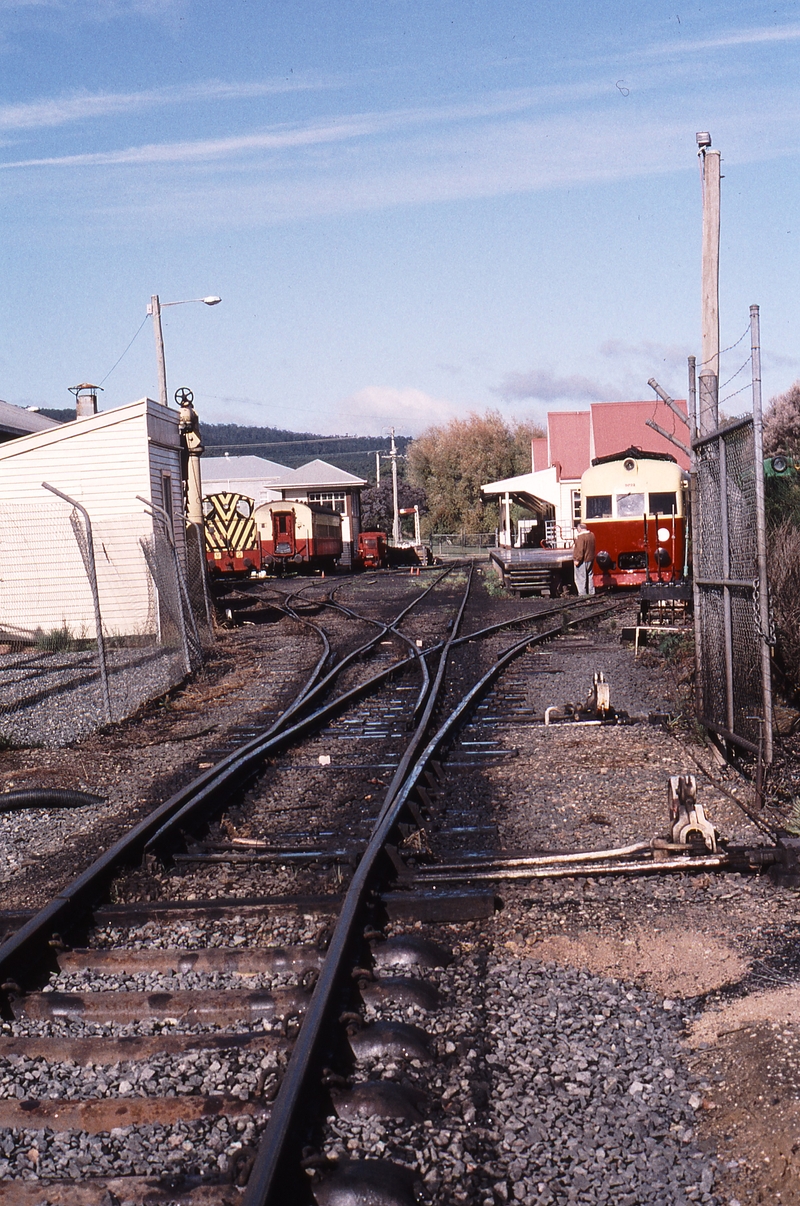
(376, 408)
(480, 122)
(83, 106)
(737, 37)
(542, 385)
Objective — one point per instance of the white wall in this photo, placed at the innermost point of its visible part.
(103, 462)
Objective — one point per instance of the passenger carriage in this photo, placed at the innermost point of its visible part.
(299, 534)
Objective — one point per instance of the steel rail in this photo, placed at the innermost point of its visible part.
(266, 1185)
(711, 862)
(537, 615)
(315, 687)
(392, 626)
(158, 827)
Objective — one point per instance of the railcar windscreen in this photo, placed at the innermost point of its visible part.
(630, 505)
(598, 506)
(663, 503)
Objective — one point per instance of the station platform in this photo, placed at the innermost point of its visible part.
(528, 571)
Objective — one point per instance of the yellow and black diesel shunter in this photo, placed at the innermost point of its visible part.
(232, 544)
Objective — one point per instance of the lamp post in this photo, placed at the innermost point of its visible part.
(154, 309)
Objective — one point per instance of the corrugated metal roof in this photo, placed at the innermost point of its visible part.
(16, 421)
(220, 468)
(618, 425)
(568, 441)
(319, 473)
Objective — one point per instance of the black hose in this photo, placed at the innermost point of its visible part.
(47, 797)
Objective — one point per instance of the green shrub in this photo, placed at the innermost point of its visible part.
(56, 640)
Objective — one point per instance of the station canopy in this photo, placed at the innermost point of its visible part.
(537, 492)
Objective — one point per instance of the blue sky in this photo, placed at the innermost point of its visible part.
(410, 209)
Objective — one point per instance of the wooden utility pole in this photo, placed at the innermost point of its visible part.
(396, 520)
(709, 366)
(154, 309)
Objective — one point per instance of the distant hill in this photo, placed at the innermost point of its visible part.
(355, 454)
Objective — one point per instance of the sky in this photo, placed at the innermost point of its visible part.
(411, 209)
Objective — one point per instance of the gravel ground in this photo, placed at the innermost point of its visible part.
(53, 699)
(587, 1048)
(561, 1071)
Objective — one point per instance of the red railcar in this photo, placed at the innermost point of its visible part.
(635, 502)
(373, 550)
(299, 534)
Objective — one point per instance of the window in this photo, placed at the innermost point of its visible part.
(576, 506)
(598, 506)
(630, 505)
(663, 504)
(166, 497)
(336, 499)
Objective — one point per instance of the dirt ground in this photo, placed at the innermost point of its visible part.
(722, 948)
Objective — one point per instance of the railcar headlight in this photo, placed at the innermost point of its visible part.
(779, 464)
(629, 464)
(662, 557)
(604, 560)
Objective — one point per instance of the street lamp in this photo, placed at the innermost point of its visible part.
(155, 309)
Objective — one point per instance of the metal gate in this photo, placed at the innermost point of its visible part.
(731, 603)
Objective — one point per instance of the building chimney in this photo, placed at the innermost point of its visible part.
(85, 399)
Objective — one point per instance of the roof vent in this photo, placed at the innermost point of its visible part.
(85, 399)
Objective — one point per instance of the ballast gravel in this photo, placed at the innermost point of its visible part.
(546, 1085)
(204, 1148)
(588, 1093)
(233, 1073)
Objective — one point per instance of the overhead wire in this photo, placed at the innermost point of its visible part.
(128, 348)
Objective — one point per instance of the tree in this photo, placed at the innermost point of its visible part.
(782, 422)
(377, 504)
(782, 434)
(453, 461)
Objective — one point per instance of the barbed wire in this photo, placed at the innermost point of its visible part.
(728, 397)
(724, 350)
(738, 371)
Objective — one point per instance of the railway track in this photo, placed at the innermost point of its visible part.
(246, 1000)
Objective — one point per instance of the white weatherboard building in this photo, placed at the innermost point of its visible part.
(102, 461)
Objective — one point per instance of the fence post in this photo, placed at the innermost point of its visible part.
(761, 533)
(91, 572)
(184, 602)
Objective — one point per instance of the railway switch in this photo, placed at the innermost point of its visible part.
(600, 699)
(596, 710)
(690, 827)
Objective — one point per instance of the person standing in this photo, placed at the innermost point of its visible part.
(583, 551)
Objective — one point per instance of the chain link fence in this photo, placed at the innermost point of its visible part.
(733, 690)
(97, 616)
(460, 544)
